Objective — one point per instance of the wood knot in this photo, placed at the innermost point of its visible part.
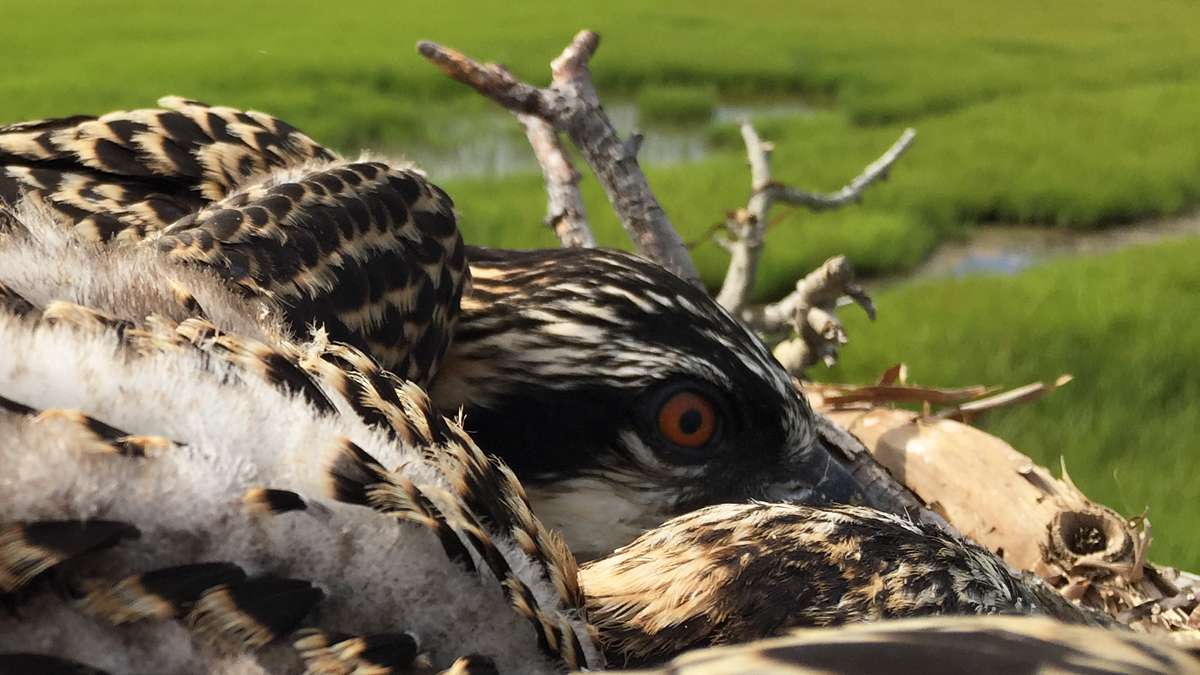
(1078, 536)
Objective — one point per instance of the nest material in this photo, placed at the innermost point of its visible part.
(1038, 523)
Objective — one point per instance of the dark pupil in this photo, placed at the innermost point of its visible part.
(690, 421)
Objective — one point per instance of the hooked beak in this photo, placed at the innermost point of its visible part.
(820, 479)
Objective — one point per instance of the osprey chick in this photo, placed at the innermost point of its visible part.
(619, 393)
(737, 572)
(195, 495)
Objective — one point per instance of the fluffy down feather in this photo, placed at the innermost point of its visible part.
(229, 467)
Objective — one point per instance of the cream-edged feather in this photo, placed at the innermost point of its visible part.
(209, 430)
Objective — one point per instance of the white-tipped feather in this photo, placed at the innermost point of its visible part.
(47, 263)
(236, 432)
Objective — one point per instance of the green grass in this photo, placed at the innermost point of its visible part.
(883, 61)
(1070, 113)
(1129, 153)
(677, 104)
(1123, 324)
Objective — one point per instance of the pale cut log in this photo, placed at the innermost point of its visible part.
(989, 491)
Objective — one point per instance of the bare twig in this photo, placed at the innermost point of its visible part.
(491, 80)
(966, 412)
(572, 105)
(808, 311)
(852, 191)
(747, 227)
(964, 403)
(841, 396)
(565, 213)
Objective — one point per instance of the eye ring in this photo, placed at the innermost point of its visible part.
(687, 418)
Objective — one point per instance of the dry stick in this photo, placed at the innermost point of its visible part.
(572, 105)
(820, 288)
(809, 312)
(965, 412)
(748, 227)
(841, 396)
(565, 213)
(852, 191)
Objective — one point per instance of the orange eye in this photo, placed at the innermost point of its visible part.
(687, 419)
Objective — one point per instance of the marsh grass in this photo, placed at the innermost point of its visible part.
(1072, 113)
(1123, 324)
(677, 104)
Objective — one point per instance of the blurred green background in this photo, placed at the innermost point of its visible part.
(1071, 115)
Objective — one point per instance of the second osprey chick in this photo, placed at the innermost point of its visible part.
(733, 573)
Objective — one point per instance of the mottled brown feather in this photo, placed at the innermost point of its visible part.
(370, 252)
(166, 593)
(252, 613)
(737, 572)
(146, 168)
(327, 653)
(29, 549)
(943, 646)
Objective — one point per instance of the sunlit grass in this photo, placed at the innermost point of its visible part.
(677, 104)
(1131, 153)
(1078, 113)
(1127, 427)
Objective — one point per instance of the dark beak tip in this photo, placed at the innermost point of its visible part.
(841, 490)
(832, 485)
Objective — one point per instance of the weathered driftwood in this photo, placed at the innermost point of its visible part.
(565, 213)
(572, 105)
(807, 313)
(881, 489)
(747, 228)
(994, 494)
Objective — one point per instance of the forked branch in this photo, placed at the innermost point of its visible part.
(565, 213)
(807, 312)
(747, 227)
(571, 104)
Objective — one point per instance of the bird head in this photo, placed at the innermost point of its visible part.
(623, 395)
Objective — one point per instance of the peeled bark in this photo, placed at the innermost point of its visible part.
(989, 491)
